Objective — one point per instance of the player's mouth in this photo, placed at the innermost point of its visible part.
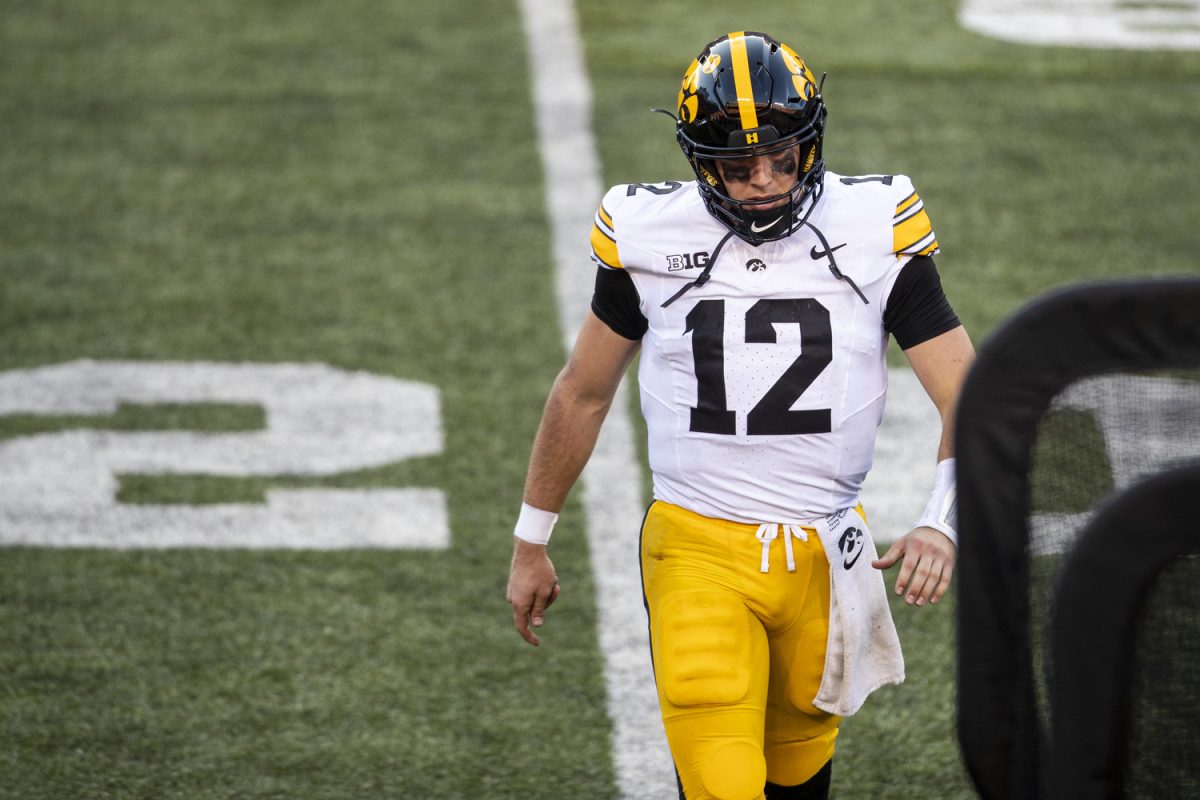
(764, 203)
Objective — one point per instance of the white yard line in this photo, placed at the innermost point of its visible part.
(611, 482)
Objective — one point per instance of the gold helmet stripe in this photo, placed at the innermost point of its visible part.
(741, 80)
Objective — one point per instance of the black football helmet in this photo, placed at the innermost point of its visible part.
(745, 95)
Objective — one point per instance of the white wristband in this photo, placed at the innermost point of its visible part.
(534, 525)
(941, 513)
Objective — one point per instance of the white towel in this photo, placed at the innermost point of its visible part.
(863, 652)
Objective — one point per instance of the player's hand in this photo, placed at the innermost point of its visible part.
(928, 564)
(532, 587)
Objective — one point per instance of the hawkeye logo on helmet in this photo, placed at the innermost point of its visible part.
(751, 138)
(687, 261)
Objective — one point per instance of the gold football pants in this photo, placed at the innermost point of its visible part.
(738, 653)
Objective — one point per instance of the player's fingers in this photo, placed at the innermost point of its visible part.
(924, 589)
(944, 585)
(890, 557)
(522, 603)
(553, 594)
(542, 599)
(521, 623)
(917, 582)
(907, 576)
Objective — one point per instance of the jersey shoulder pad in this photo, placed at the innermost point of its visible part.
(877, 198)
(604, 231)
(623, 208)
(912, 230)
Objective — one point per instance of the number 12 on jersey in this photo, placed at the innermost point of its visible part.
(772, 414)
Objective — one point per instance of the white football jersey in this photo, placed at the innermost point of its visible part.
(763, 388)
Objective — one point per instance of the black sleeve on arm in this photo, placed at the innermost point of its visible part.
(615, 301)
(917, 309)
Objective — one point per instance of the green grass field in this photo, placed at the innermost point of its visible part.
(357, 184)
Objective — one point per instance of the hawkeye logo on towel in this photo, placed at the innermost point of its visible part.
(850, 544)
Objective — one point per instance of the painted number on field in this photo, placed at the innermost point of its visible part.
(59, 489)
(1140, 25)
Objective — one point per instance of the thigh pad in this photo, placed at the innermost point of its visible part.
(702, 640)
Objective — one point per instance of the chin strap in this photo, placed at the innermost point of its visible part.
(702, 278)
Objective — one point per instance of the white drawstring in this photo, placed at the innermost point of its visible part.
(768, 531)
(766, 534)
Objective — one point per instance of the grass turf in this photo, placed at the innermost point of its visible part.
(274, 182)
(1039, 167)
(357, 184)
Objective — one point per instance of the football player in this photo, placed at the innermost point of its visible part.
(761, 296)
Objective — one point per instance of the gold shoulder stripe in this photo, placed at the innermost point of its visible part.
(904, 204)
(912, 231)
(604, 215)
(741, 80)
(928, 251)
(916, 248)
(908, 213)
(604, 248)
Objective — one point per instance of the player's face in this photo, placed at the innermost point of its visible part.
(760, 177)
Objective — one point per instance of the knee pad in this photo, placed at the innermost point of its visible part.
(734, 770)
(703, 646)
(800, 763)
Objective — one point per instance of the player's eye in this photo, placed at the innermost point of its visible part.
(736, 174)
(785, 165)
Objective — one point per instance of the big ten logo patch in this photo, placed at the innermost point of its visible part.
(687, 261)
(59, 489)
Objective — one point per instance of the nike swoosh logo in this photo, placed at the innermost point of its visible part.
(755, 228)
(853, 561)
(815, 254)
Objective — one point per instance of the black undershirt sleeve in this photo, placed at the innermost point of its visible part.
(615, 301)
(917, 309)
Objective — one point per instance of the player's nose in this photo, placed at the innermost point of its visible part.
(760, 171)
